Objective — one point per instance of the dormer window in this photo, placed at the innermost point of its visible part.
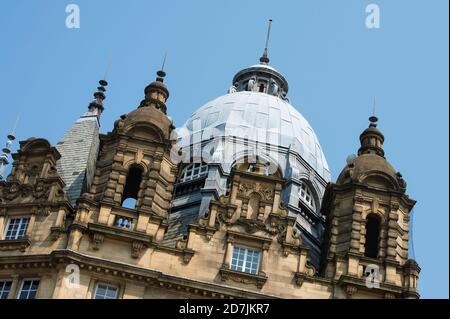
(306, 196)
(192, 179)
(194, 171)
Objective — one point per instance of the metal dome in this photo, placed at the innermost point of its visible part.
(258, 117)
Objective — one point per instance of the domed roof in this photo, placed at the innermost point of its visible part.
(363, 164)
(370, 166)
(259, 117)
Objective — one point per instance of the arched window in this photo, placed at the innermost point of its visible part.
(305, 195)
(372, 236)
(132, 186)
(194, 171)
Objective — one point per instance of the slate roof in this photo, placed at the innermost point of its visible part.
(79, 150)
(178, 225)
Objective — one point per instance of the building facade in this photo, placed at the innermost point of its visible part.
(237, 203)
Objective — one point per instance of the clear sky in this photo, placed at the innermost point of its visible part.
(333, 63)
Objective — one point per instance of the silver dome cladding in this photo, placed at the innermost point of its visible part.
(258, 117)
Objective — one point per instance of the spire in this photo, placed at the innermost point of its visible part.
(372, 139)
(265, 58)
(156, 93)
(99, 97)
(79, 148)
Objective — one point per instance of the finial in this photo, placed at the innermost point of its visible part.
(373, 119)
(372, 139)
(107, 70)
(157, 86)
(161, 74)
(265, 58)
(11, 136)
(99, 96)
(164, 60)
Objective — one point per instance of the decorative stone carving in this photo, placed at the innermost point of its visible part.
(17, 244)
(310, 270)
(41, 190)
(136, 248)
(14, 189)
(394, 206)
(55, 232)
(97, 240)
(266, 246)
(401, 182)
(241, 277)
(350, 290)
(118, 124)
(41, 210)
(245, 188)
(187, 255)
(181, 244)
(226, 214)
(299, 278)
(266, 191)
(13, 192)
(251, 225)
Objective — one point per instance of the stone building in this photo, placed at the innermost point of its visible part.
(237, 203)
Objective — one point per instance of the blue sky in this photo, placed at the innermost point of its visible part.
(333, 63)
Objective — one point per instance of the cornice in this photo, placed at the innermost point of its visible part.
(130, 272)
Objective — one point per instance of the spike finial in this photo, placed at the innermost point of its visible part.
(161, 73)
(265, 57)
(373, 119)
(99, 96)
(374, 105)
(107, 70)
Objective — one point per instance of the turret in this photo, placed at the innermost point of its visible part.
(367, 229)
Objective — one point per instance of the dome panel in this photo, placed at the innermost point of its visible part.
(259, 117)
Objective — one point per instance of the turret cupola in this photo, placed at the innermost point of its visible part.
(261, 77)
(156, 93)
(372, 139)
